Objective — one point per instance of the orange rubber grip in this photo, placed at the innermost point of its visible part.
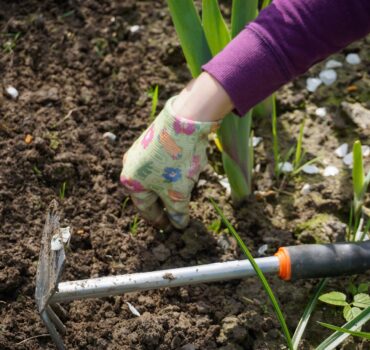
(285, 266)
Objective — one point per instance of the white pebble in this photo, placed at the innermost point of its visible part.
(286, 167)
(262, 249)
(306, 189)
(224, 182)
(321, 112)
(342, 150)
(348, 159)
(201, 182)
(312, 84)
(256, 140)
(353, 58)
(333, 64)
(328, 76)
(12, 92)
(110, 136)
(310, 169)
(134, 29)
(365, 151)
(56, 243)
(133, 309)
(331, 171)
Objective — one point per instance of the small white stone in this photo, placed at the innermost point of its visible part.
(331, 171)
(286, 167)
(306, 189)
(312, 84)
(66, 234)
(256, 140)
(56, 243)
(133, 309)
(328, 76)
(134, 29)
(110, 136)
(12, 92)
(348, 159)
(342, 150)
(310, 169)
(321, 112)
(257, 168)
(333, 64)
(365, 151)
(262, 249)
(201, 182)
(353, 58)
(224, 182)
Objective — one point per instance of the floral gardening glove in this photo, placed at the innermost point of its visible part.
(164, 163)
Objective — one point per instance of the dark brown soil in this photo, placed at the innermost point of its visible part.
(81, 72)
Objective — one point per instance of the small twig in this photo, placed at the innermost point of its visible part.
(34, 337)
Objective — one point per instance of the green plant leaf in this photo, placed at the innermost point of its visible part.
(363, 287)
(241, 14)
(349, 313)
(364, 335)
(334, 298)
(361, 300)
(352, 289)
(298, 333)
(338, 337)
(214, 26)
(357, 175)
(298, 150)
(190, 32)
(259, 273)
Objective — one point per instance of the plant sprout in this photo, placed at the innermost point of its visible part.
(153, 94)
(62, 190)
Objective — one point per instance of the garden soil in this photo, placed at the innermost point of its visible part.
(82, 70)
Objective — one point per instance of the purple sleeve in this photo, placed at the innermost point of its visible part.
(287, 38)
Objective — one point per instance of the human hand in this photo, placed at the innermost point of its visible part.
(163, 165)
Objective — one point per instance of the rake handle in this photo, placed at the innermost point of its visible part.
(323, 260)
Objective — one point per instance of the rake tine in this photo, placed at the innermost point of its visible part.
(56, 320)
(60, 311)
(52, 331)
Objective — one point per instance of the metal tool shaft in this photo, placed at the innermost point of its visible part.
(114, 285)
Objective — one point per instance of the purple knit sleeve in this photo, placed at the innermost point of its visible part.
(287, 38)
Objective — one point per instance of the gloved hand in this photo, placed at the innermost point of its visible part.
(163, 165)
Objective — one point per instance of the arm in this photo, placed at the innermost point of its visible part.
(286, 39)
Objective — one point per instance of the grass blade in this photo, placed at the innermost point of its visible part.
(242, 13)
(191, 35)
(358, 177)
(338, 337)
(364, 335)
(298, 150)
(154, 95)
(259, 273)
(215, 29)
(302, 324)
(275, 141)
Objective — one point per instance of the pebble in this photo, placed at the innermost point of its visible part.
(358, 113)
(365, 151)
(348, 159)
(133, 309)
(312, 84)
(224, 182)
(286, 167)
(310, 169)
(256, 140)
(321, 112)
(12, 92)
(331, 171)
(328, 76)
(201, 183)
(342, 150)
(110, 136)
(353, 58)
(306, 189)
(333, 64)
(262, 249)
(135, 28)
